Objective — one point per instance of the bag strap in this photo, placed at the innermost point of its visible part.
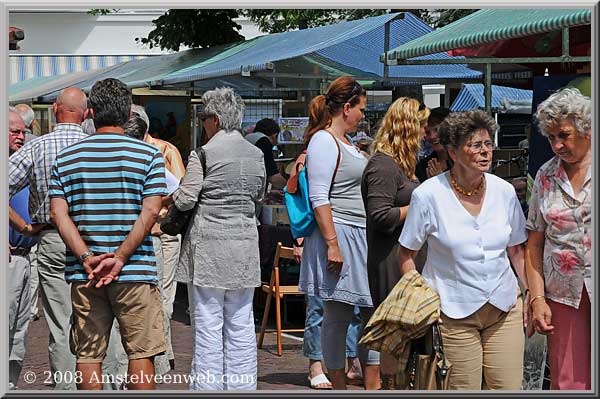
(202, 156)
(337, 163)
(438, 346)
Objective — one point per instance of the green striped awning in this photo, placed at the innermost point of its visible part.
(488, 26)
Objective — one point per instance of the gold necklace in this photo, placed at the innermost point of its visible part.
(462, 190)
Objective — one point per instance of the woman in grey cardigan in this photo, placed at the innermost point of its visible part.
(219, 255)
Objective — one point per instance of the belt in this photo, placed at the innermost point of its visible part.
(48, 227)
(20, 251)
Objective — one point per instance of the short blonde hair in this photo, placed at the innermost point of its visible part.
(399, 134)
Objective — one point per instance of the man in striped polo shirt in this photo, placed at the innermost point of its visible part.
(106, 193)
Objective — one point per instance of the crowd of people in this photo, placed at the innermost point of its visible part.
(88, 198)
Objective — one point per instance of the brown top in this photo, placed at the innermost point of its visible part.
(385, 188)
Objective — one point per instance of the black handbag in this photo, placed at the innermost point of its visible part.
(427, 368)
(176, 221)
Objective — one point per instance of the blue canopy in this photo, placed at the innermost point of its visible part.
(351, 46)
(345, 48)
(471, 96)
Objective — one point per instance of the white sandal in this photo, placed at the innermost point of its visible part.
(318, 380)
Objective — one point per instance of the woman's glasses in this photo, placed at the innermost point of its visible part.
(478, 145)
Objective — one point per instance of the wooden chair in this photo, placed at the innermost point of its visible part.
(273, 289)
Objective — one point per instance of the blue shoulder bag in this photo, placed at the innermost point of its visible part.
(299, 209)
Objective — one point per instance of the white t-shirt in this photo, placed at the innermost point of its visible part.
(172, 182)
(321, 158)
(467, 262)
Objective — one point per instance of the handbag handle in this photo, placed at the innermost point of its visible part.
(438, 346)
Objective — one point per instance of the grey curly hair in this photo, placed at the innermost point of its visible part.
(226, 105)
(565, 104)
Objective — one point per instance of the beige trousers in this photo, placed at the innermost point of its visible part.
(485, 348)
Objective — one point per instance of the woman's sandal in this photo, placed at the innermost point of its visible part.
(319, 380)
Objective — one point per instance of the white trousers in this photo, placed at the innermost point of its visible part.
(225, 355)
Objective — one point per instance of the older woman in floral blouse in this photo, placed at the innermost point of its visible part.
(559, 255)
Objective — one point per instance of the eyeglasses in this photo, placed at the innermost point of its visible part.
(478, 145)
(17, 132)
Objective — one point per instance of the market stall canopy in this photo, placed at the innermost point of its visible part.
(134, 73)
(346, 47)
(296, 59)
(504, 99)
(25, 66)
(488, 26)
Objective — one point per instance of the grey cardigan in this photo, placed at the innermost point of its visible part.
(220, 249)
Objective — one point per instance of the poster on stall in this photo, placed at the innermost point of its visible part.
(292, 129)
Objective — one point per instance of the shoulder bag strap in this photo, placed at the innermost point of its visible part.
(202, 156)
(337, 163)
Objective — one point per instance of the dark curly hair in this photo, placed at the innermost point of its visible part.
(111, 101)
(458, 127)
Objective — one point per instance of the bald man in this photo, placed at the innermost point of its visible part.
(31, 165)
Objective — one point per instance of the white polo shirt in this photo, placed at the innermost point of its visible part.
(467, 262)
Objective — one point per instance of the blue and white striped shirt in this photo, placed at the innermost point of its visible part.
(104, 179)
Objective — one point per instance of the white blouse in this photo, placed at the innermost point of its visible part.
(467, 262)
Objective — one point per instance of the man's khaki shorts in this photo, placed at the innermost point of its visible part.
(138, 309)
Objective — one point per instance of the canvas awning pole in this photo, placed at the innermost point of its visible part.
(488, 88)
(565, 42)
(386, 48)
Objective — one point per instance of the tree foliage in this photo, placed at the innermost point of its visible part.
(193, 28)
(274, 21)
(448, 16)
(205, 28)
(102, 11)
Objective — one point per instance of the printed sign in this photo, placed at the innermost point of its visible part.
(292, 129)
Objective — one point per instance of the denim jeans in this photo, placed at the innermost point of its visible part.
(311, 345)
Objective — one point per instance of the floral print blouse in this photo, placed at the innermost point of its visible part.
(567, 226)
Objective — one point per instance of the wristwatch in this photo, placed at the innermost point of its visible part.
(27, 229)
(85, 255)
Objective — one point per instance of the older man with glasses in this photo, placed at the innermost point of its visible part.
(19, 261)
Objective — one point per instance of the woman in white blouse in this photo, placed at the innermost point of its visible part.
(472, 223)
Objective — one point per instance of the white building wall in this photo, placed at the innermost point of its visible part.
(78, 33)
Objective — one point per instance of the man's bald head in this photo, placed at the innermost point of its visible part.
(71, 106)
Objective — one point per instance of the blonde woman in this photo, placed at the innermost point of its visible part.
(387, 184)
